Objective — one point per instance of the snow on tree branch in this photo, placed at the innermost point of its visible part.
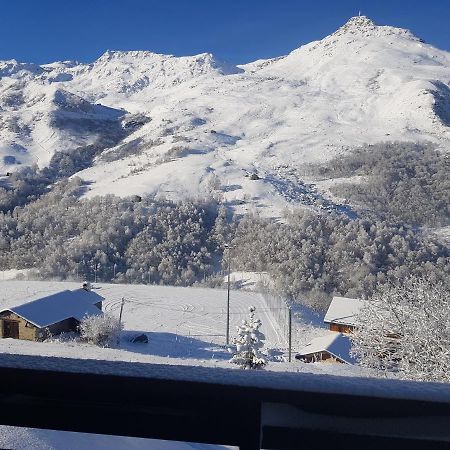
(406, 329)
(103, 330)
(248, 343)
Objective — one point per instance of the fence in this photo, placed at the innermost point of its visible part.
(280, 312)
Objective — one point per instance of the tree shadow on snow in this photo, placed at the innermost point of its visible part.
(173, 345)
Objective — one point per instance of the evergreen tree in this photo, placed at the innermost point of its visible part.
(248, 343)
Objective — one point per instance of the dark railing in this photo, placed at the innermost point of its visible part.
(223, 406)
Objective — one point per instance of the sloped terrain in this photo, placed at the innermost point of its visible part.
(196, 126)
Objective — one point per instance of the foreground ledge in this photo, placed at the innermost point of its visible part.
(249, 409)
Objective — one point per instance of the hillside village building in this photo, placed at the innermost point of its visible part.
(341, 314)
(52, 314)
(336, 345)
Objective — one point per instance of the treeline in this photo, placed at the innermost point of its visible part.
(313, 256)
(402, 181)
(310, 256)
(29, 183)
(149, 241)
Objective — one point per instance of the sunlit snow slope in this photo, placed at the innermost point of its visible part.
(197, 126)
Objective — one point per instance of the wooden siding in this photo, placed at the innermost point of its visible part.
(320, 356)
(341, 328)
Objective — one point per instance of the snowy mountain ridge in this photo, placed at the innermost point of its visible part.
(200, 126)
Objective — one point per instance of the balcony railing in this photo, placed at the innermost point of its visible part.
(247, 409)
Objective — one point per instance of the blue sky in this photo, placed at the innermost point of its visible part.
(234, 30)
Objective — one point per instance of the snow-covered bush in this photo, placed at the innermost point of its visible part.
(103, 330)
(248, 343)
(406, 329)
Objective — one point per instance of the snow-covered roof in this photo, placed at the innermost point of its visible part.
(343, 310)
(55, 308)
(336, 344)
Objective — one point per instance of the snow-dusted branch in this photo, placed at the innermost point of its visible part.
(412, 337)
(103, 330)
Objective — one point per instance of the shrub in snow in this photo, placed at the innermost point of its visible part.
(406, 329)
(103, 330)
(248, 343)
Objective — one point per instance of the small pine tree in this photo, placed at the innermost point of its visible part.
(248, 343)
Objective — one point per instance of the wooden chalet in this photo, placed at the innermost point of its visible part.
(333, 347)
(341, 314)
(50, 315)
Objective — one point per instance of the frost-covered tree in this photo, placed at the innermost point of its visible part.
(249, 343)
(406, 329)
(312, 256)
(309, 256)
(103, 330)
(401, 181)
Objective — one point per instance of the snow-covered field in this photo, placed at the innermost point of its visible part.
(188, 324)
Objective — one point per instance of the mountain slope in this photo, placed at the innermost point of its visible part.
(201, 126)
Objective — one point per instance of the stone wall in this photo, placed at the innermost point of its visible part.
(27, 330)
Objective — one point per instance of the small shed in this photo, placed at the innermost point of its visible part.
(342, 312)
(52, 314)
(333, 347)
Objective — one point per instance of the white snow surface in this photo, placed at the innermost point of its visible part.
(209, 120)
(337, 344)
(50, 309)
(343, 310)
(34, 439)
(185, 326)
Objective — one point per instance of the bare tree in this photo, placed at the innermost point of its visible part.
(406, 329)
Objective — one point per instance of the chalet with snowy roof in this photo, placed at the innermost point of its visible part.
(341, 314)
(333, 347)
(54, 314)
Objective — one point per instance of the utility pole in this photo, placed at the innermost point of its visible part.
(290, 335)
(228, 293)
(121, 310)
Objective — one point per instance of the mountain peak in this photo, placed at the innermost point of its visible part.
(359, 22)
(110, 55)
(363, 26)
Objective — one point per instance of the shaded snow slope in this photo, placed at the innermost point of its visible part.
(209, 126)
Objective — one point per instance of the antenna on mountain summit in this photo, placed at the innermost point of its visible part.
(359, 14)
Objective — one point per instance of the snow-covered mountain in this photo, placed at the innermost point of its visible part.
(189, 126)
